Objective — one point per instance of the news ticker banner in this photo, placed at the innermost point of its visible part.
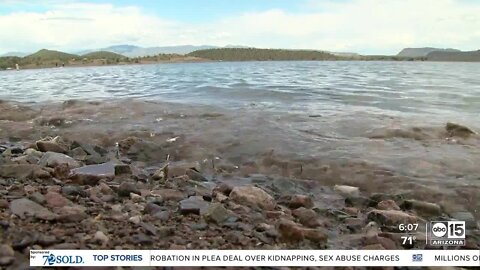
(293, 258)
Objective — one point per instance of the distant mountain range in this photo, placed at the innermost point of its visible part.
(137, 51)
(471, 56)
(422, 52)
(18, 54)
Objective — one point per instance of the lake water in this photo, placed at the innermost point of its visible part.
(369, 118)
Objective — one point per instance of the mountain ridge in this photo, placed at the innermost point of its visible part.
(422, 51)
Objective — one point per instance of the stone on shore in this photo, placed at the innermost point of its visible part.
(54, 145)
(23, 171)
(193, 205)
(458, 130)
(424, 209)
(91, 174)
(388, 205)
(53, 159)
(347, 190)
(73, 213)
(23, 207)
(55, 199)
(298, 201)
(252, 196)
(217, 213)
(391, 217)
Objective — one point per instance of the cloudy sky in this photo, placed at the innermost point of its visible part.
(364, 26)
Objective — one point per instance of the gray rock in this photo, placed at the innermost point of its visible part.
(149, 228)
(23, 171)
(458, 130)
(252, 196)
(78, 154)
(71, 214)
(23, 206)
(6, 251)
(195, 175)
(216, 213)
(152, 208)
(95, 159)
(142, 239)
(126, 188)
(53, 159)
(162, 215)
(50, 146)
(193, 205)
(37, 197)
(4, 261)
(424, 209)
(469, 219)
(74, 190)
(91, 174)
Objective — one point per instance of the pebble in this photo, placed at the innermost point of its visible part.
(162, 215)
(55, 199)
(195, 175)
(71, 214)
(50, 146)
(74, 190)
(391, 217)
(424, 209)
(135, 219)
(141, 239)
(252, 196)
(91, 174)
(23, 206)
(53, 159)
(101, 237)
(37, 197)
(169, 194)
(216, 213)
(6, 251)
(193, 205)
(126, 188)
(298, 201)
(290, 231)
(3, 204)
(347, 190)
(307, 217)
(23, 171)
(388, 205)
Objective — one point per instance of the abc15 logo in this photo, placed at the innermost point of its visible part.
(448, 229)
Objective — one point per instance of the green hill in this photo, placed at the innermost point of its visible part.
(9, 62)
(49, 55)
(103, 55)
(252, 54)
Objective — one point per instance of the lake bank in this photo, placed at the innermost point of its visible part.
(124, 174)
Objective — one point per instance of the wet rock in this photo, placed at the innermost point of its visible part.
(307, 217)
(358, 201)
(289, 231)
(140, 150)
(169, 194)
(91, 174)
(71, 214)
(193, 205)
(469, 219)
(23, 171)
(121, 169)
(23, 206)
(195, 175)
(252, 196)
(53, 159)
(388, 205)
(391, 217)
(126, 188)
(216, 213)
(73, 190)
(298, 201)
(424, 209)
(51, 146)
(347, 190)
(458, 130)
(354, 224)
(55, 199)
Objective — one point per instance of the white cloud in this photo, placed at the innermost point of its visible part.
(369, 26)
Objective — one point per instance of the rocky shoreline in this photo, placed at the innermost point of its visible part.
(60, 192)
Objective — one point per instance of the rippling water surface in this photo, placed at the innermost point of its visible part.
(390, 114)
